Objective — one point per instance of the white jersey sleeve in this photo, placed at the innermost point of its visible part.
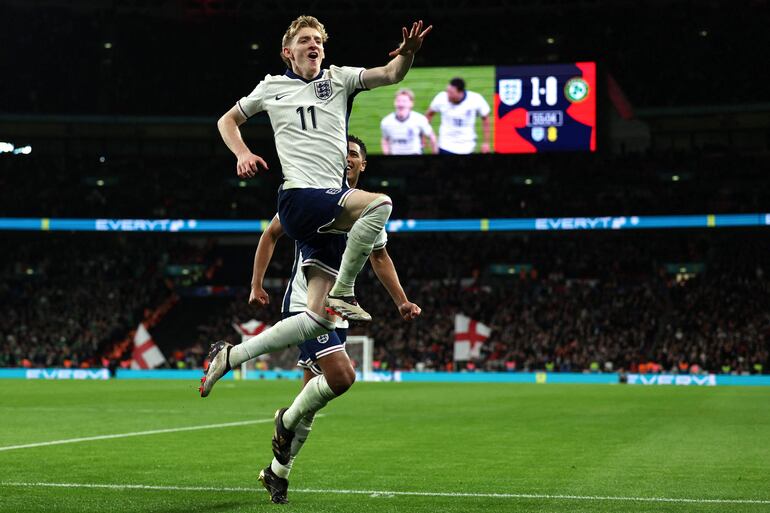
(482, 107)
(253, 103)
(438, 102)
(425, 128)
(351, 77)
(385, 127)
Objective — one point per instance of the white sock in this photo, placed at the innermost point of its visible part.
(360, 241)
(312, 398)
(283, 334)
(301, 432)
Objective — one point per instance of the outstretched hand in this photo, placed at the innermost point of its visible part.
(412, 39)
(409, 311)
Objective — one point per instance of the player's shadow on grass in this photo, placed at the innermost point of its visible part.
(208, 506)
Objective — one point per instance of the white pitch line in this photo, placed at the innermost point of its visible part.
(392, 493)
(135, 433)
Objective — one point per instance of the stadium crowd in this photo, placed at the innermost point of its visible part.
(66, 299)
(660, 301)
(598, 304)
(558, 324)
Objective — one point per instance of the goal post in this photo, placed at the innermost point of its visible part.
(360, 348)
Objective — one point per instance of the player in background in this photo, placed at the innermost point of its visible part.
(308, 108)
(405, 132)
(459, 109)
(325, 354)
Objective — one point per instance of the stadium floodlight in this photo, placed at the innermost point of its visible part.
(6, 147)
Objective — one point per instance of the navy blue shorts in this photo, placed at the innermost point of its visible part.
(313, 349)
(305, 215)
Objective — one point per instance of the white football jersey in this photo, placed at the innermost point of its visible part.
(457, 132)
(309, 120)
(405, 135)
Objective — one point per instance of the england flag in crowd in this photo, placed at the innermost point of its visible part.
(250, 329)
(469, 338)
(146, 354)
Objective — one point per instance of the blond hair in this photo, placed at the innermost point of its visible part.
(406, 92)
(297, 25)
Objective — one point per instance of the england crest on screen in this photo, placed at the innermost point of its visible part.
(510, 91)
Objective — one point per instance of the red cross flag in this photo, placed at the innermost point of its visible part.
(469, 337)
(250, 329)
(146, 354)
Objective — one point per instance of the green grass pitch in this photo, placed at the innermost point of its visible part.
(387, 447)
(370, 107)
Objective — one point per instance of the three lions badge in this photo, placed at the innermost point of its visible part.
(323, 89)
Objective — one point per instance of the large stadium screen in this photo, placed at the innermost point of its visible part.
(503, 109)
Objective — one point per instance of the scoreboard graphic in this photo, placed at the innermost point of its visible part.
(533, 108)
(545, 108)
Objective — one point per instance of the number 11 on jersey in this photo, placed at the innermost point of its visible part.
(301, 112)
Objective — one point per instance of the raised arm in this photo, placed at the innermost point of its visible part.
(403, 56)
(385, 143)
(383, 267)
(433, 143)
(228, 125)
(262, 258)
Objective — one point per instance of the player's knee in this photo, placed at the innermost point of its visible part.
(379, 208)
(384, 204)
(342, 381)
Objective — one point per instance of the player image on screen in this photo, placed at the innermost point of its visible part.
(404, 131)
(459, 109)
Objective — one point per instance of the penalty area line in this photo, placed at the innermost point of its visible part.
(387, 493)
(135, 433)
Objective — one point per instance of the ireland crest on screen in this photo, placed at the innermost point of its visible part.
(323, 89)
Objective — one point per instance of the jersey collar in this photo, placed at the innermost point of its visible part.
(289, 73)
(465, 95)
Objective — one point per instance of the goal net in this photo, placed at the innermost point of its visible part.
(360, 349)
